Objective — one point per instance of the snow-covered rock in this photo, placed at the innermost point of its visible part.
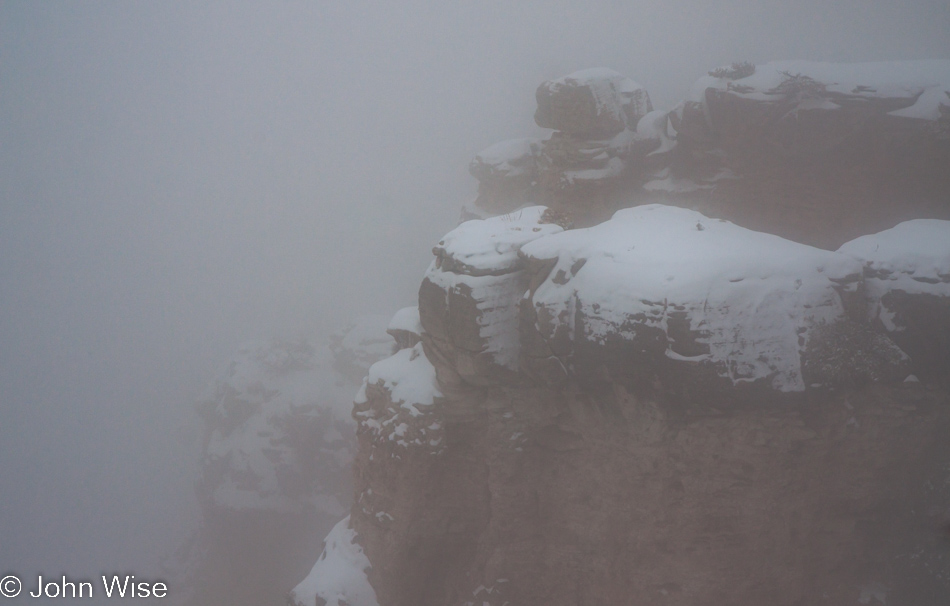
(635, 427)
(339, 576)
(590, 103)
(405, 327)
(907, 285)
(667, 292)
(395, 406)
(468, 301)
(571, 163)
(819, 153)
(906, 89)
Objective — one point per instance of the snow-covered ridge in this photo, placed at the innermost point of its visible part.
(920, 87)
(913, 258)
(749, 298)
(490, 247)
(395, 403)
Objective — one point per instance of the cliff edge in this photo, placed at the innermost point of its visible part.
(696, 356)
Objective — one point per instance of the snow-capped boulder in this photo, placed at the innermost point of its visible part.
(819, 153)
(468, 300)
(666, 294)
(596, 102)
(595, 113)
(907, 278)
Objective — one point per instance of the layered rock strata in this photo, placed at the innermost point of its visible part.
(611, 401)
(713, 420)
(818, 153)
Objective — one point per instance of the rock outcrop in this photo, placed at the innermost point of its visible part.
(817, 153)
(820, 153)
(605, 400)
(664, 298)
(469, 298)
(907, 273)
(590, 156)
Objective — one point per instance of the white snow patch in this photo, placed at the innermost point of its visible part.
(613, 168)
(491, 245)
(339, 576)
(656, 125)
(408, 376)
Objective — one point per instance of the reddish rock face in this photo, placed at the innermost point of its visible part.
(591, 103)
(599, 433)
(814, 160)
(562, 498)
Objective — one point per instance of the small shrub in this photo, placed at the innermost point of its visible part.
(736, 71)
(798, 86)
(559, 217)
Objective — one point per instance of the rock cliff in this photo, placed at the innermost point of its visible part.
(696, 356)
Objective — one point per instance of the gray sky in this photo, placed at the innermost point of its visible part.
(176, 178)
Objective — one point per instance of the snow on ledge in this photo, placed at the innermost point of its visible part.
(408, 376)
(491, 246)
(339, 576)
(407, 320)
(924, 84)
(752, 296)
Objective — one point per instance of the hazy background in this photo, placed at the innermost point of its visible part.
(177, 178)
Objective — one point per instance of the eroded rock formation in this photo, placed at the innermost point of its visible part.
(604, 400)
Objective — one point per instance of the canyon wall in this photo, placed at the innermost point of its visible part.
(696, 356)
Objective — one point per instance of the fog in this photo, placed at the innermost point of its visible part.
(178, 178)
